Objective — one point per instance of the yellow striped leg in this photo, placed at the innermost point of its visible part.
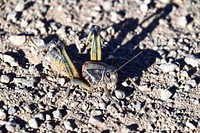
(95, 38)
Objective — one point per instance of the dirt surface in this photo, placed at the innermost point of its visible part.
(159, 91)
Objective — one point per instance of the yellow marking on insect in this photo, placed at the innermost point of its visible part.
(95, 53)
(68, 65)
(88, 39)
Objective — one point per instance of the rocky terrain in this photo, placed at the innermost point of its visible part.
(158, 91)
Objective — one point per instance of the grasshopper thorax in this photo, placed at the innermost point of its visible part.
(99, 74)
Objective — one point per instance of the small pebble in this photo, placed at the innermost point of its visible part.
(143, 88)
(167, 67)
(39, 24)
(27, 109)
(107, 5)
(182, 21)
(95, 120)
(120, 94)
(17, 40)
(42, 30)
(23, 81)
(110, 30)
(54, 26)
(5, 79)
(61, 81)
(96, 112)
(164, 1)
(57, 114)
(125, 130)
(102, 105)
(69, 125)
(61, 32)
(125, 84)
(114, 16)
(49, 125)
(43, 8)
(33, 123)
(137, 106)
(75, 2)
(11, 110)
(187, 87)
(9, 59)
(97, 8)
(24, 23)
(10, 127)
(12, 16)
(50, 95)
(190, 125)
(191, 60)
(94, 13)
(147, 1)
(164, 94)
(20, 6)
(144, 7)
(192, 82)
(39, 116)
(48, 117)
(2, 115)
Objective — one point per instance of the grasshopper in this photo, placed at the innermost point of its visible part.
(97, 74)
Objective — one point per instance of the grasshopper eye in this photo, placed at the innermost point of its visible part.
(108, 74)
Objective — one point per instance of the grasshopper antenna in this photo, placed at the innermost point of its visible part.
(129, 61)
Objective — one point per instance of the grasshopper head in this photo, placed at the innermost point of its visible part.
(111, 77)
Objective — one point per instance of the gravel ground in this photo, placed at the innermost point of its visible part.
(159, 91)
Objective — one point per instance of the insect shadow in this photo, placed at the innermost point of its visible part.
(124, 52)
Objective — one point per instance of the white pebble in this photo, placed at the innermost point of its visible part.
(68, 125)
(2, 115)
(57, 114)
(165, 94)
(12, 16)
(5, 79)
(191, 60)
(102, 105)
(11, 110)
(182, 21)
(61, 81)
(97, 8)
(167, 67)
(192, 82)
(147, 1)
(20, 6)
(94, 121)
(17, 40)
(114, 16)
(96, 112)
(10, 127)
(164, 1)
(61, 32)
(40, 116)
(143, 88)
(125, 84)
(107, 5)
(120, 94)
(48, 117)
(144, 7)
(110, 30)
(33, 123)
(190, 125)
